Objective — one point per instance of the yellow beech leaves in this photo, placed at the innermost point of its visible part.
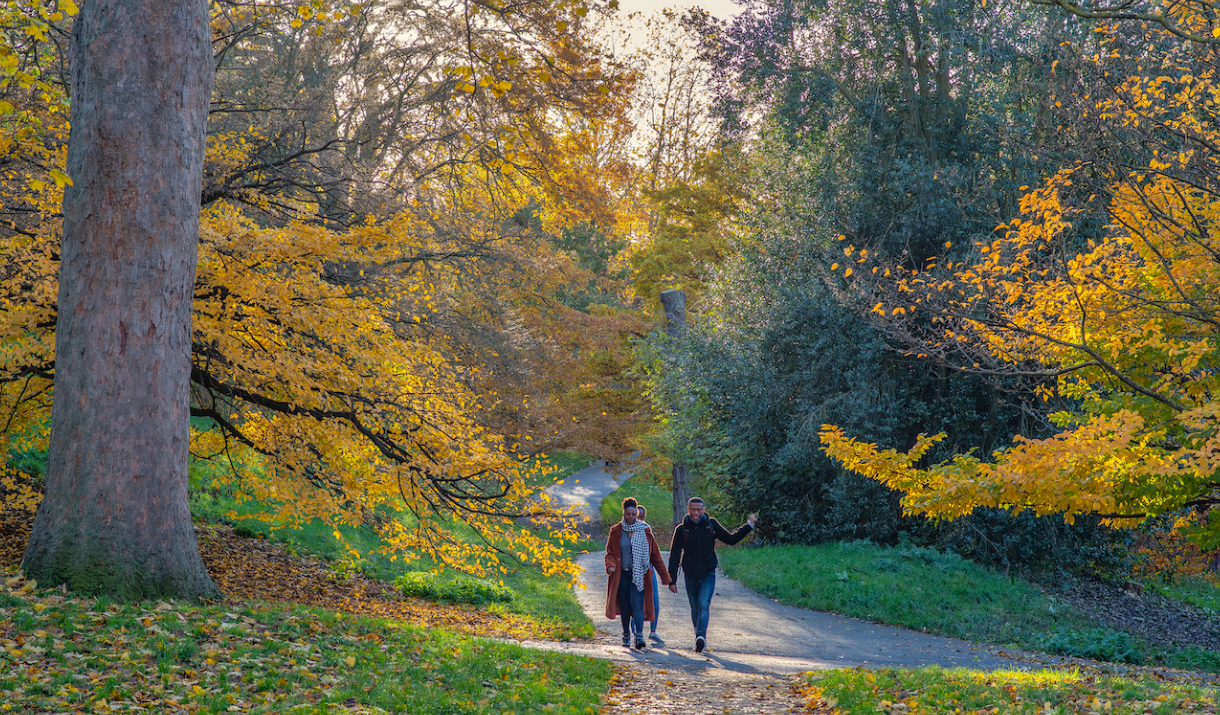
(1125, 327)
(305, 352)
(324, 373)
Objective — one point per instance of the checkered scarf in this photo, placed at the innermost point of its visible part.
(639, 552)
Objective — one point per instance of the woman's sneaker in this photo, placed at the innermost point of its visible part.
(655, 638)
(639, 642)
(700, 644)
(626, 641)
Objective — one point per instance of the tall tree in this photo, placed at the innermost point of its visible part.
(329, 345)
(115, 519)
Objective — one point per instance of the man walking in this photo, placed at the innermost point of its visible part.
(694, 550)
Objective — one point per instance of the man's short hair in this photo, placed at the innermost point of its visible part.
(694, 500)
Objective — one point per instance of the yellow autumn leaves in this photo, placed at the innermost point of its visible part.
(353, 411)
(1125, 327)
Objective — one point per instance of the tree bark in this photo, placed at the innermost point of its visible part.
(674, 303)
(115, 519)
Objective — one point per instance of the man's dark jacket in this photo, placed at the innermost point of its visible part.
(694, 545)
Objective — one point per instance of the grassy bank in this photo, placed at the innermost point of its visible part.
(914, 587)
(924, 589)
(658, 501)
(68, 654)
(933, 691)
(548, 600)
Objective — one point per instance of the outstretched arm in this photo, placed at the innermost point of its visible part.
(732, 538)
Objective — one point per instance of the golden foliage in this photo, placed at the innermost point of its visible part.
(326, 370)
(1125, 326)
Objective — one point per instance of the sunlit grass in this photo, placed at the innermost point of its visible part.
(933, 691)
(548, 599)
(914, 587)
(942, 593)
(658, 501)
(65, 654)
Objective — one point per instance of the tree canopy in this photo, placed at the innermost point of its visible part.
(1116, 327)
(379, 274)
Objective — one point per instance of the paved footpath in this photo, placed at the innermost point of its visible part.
(750, 633)
(587, 488)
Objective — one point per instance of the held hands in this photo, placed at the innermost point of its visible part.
(673, 587)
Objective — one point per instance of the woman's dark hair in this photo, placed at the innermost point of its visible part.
(630, 502)
(640, 508)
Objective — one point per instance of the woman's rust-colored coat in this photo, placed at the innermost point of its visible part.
(614, 557)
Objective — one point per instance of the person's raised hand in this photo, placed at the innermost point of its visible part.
(673, 587)
(752, 520)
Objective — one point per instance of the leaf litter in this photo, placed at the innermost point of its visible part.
(355, 646)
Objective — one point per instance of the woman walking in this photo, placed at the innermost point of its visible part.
(656, 592)
(631, 551)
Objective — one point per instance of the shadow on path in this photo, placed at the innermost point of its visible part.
(748, 633)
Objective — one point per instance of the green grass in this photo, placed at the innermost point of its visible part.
(547, 599)
(934, 691)
(67, 654)
(658, 500)
(459, 589)
(906, 586)
(941, 593)
(1195, 592)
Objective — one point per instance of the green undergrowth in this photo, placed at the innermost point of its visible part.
(528, 591)
(935, 691)
(61, 654)
(459, 589)
(942, 593)
(1198, 593)
(658, 501)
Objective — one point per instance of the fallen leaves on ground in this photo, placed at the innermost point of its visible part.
(63, 654)
(642, 688)
(259, 570)
(256, 569)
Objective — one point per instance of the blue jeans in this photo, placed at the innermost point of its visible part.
(656, 601)
(699, 592)
(630, 605)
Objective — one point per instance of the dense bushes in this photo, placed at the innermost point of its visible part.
(782, 343)
(452, 589)
(774, 355)
(751, 388)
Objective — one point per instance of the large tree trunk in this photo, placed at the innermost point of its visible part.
(115, 518)
(674, 303)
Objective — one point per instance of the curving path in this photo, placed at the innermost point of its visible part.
(750, 633)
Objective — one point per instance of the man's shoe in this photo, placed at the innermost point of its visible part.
(639, 642)
(700, 644)
(655, 638)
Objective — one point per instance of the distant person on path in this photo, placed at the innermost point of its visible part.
(631, 551)
(694, 550)
(656, 593)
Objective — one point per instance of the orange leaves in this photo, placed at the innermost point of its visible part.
(1123, 325)
(1090, 469)
(254, 569)
(303, 359)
